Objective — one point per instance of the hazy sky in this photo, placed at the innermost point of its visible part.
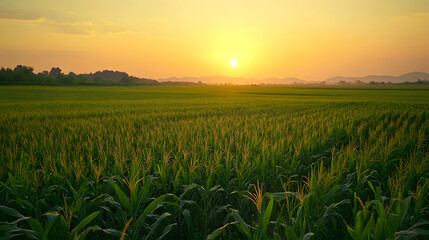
(309, 39)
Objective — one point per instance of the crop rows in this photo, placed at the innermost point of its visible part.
(234, 167)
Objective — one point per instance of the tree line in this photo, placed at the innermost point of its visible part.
(25, 75)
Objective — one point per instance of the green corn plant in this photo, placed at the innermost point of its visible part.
(259, 230)
(55, 226)
(364, 221)
(363, 228)
(295, 226)
(376, 221)
(209, 211)
(69, 152)
(138, 228)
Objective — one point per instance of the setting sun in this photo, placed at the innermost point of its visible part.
(155, 111)
(233, 63)
(310, 40)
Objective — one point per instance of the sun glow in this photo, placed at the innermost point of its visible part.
(233, 63)
(310, 40)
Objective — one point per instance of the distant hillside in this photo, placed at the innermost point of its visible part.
(285, 81)
(25, 75)
(409, 77)
(207, 80)
(119, 77)
(413, 76)
(107, 74)
(180, 83)
(236, 80)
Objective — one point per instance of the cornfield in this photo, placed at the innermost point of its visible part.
(214, 162)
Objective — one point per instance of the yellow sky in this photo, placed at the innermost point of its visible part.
(308, 39)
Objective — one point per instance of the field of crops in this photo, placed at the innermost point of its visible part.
(206, 162)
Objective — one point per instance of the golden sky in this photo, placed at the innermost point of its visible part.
(308, 39)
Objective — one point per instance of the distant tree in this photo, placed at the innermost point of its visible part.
(24, 75)
(55, 71)
(24, 69)
(6, 76)
(125, 80)
(98, 80)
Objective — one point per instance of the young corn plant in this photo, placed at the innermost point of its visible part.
(55, 226)
(380, 219)
(259, 229)
(144, 226)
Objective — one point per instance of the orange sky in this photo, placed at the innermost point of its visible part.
(309, 39)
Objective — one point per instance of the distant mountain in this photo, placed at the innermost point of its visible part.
(209, 80)
(180, 83)
(122, 77)
(24, 75)
(413, 76)
(409, 77)
(285, 81)
(235, 80)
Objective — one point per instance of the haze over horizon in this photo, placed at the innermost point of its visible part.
(272, 39)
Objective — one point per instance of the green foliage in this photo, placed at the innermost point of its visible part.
(204, 162)
(24, 75)
(259, 231)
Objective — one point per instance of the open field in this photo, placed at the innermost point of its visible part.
(197, 162)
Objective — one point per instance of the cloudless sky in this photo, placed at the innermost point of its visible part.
(308, 39)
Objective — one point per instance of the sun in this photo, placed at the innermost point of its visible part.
(233, 63)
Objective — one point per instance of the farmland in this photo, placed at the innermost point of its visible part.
(224, 162)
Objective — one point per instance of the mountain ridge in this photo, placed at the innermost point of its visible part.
(408, 77)
(218, 79)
